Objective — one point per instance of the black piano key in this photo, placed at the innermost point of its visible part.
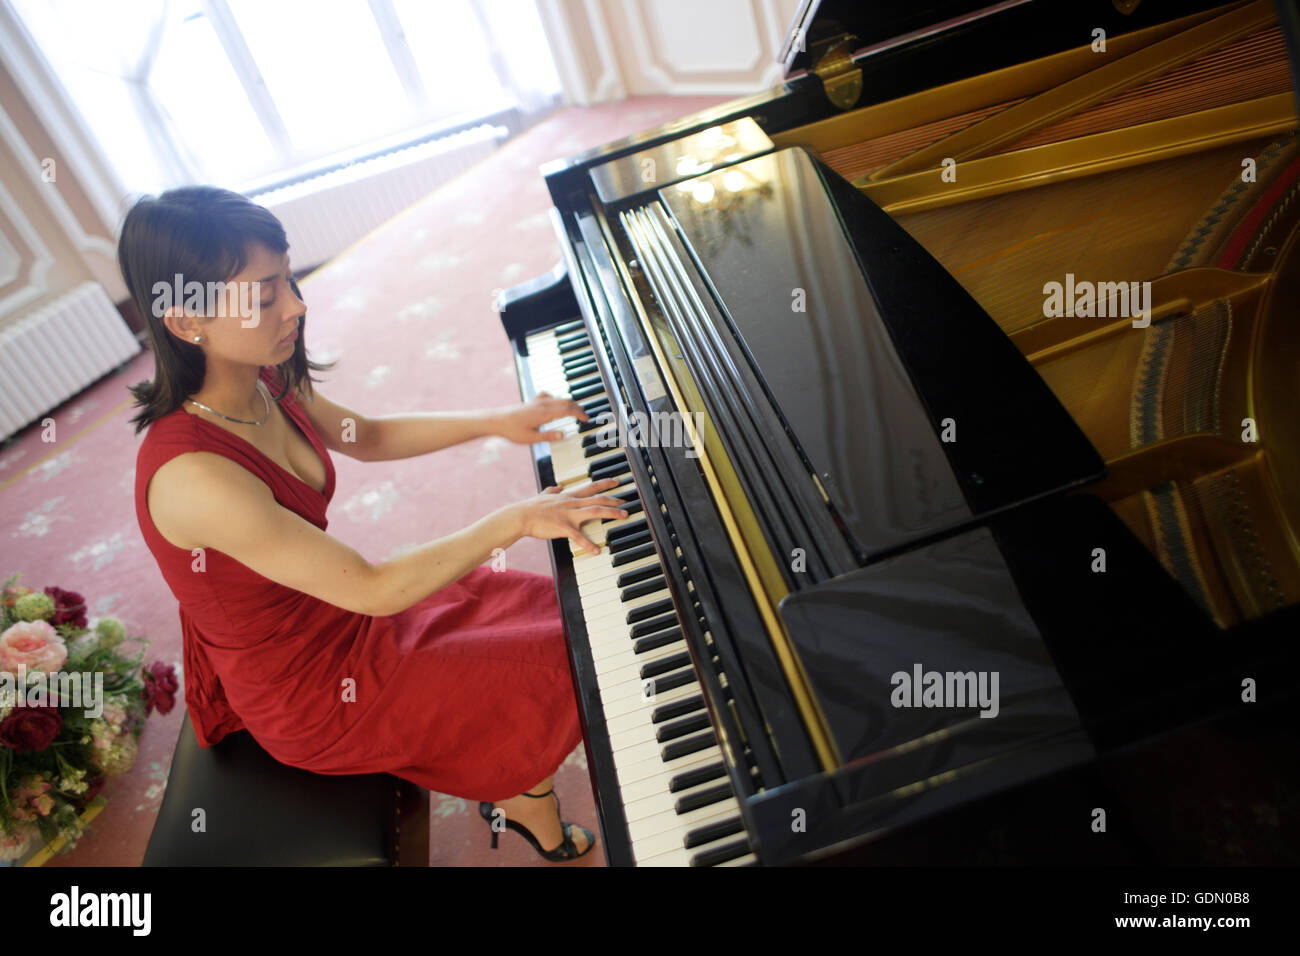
(678, 708)
(608, 433)
(630, 540)
(645, 587)
(609, 471)
(588, 367)
(721, 854)
(683, 678)
(593, 422)
(655, 624)
(615, 458)
(564, 337)
(689, 745)
(704, 798)
(601, 449)
(634, 554)
(680, 728)
(640, 574)
(653, 609)
(665, 665)
(578, 394)
(659, 639)
(712, 832)
(632, 508)
(568, 327)
(696, 776)
(575, 343)
(626, 531)
(585, 382)
(575, 359)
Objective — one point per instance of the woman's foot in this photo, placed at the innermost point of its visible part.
(542, 818)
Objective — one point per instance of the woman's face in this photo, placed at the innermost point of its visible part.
(256, 319)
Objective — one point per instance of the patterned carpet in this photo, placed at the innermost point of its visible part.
(408, 312)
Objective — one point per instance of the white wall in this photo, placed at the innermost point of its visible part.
(611, 49)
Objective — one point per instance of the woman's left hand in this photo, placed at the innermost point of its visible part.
(522, 424)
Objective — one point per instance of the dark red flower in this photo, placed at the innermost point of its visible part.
(94, 785)
(160, 686)
(30, 728)
(69, 607)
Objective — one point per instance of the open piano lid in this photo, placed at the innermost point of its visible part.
(819, 24)
(830, 37)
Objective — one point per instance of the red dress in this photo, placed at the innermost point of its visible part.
(468, 692)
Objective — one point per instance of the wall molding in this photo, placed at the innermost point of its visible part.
(50, 102)
(28, 159)
(38, 266)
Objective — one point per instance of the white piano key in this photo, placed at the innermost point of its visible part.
(643, 777)
(663, 802)
(654, 831)
(630, 771)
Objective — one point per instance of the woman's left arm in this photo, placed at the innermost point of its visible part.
(386, 437)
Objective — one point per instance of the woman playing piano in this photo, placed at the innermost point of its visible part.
(430, 666)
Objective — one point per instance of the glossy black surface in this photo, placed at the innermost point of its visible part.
(1137, 658)
(681, 309)
(950, 608)
(822, 289)
(678, 159)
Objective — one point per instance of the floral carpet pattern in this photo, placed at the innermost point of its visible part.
(408, 312)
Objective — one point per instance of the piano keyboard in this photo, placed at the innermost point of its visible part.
(677, 797)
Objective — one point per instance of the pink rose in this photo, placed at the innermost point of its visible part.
(35, 644)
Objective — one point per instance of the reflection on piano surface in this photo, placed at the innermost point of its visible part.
(977, 533)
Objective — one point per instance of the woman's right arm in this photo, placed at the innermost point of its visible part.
(209, 498)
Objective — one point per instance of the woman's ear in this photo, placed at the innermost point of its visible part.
(185, 326)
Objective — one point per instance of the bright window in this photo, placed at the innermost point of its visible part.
(234, 92)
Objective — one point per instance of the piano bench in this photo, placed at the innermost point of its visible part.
(260, 812)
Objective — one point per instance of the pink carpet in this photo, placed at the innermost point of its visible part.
(408, 312)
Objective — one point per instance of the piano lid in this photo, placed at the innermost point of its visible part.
(819, 25)
(876, 360)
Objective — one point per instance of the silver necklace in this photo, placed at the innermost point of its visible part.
(239, 420)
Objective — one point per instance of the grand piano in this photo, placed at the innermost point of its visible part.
(953, 389)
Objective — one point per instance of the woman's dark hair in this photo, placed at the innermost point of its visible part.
(203, 234)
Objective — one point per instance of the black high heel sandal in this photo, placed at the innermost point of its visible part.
(567, 850)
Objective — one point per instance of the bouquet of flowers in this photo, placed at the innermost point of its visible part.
(72, 705)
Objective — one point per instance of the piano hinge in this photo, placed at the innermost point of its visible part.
(840, 77)
(826, 499)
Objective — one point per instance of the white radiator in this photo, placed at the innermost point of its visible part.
(56, 351)
(324, 215)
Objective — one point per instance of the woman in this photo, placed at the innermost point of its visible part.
(429, 666)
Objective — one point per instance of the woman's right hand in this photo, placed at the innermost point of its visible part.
(558, 514)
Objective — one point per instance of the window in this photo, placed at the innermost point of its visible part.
(245, 92)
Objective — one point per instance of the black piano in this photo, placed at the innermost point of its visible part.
(953, 387)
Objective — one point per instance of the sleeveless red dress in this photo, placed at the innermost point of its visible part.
(468, 692)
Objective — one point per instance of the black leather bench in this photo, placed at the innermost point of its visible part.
(260, 812)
